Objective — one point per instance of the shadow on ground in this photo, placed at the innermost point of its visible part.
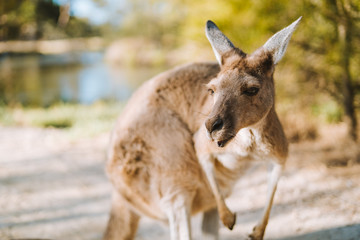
(351, 232)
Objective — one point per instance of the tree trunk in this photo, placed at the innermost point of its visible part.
(64, 15)
(344, 30)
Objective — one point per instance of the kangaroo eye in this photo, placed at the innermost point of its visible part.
(251, 91)
(211, 92)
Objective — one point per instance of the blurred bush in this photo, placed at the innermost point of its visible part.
(323, 56)
(40, 19)
(77, 120)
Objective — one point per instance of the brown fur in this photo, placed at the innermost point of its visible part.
(153, 141)
(161, 162)
(160, 131)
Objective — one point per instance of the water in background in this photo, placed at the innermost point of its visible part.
(41, 80)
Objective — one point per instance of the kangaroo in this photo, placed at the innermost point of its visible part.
(186, 136)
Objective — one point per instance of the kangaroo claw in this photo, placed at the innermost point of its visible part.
(257, 234)
(228, 218)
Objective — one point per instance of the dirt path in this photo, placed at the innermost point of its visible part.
(51, 188)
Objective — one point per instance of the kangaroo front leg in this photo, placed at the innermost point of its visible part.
(259, 229)
(226, 216)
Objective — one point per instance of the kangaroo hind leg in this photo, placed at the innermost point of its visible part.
(178, 210)
(123, 221)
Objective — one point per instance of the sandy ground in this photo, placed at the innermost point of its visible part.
(51, 188)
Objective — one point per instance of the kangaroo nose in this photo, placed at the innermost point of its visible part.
(214, 126)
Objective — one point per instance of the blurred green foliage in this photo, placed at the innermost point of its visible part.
(323, 57)
(40, 19)
(328, 111)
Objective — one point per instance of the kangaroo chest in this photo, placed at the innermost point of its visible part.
(248, 145)
(233, 160)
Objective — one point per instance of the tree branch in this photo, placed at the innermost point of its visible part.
(353, 13)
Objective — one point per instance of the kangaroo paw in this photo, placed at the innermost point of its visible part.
(257, 234)
(228, 218)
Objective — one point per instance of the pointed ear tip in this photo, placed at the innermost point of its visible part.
(297, 21)
(294, 24)
(210, 24)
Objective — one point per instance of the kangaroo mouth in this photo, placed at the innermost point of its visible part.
(222, 143)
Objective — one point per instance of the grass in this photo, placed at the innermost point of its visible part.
(75, 119)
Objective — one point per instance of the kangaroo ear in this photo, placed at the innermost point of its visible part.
(278, 42)
(219, 42)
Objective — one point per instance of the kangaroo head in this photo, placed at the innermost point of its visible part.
(243, 91)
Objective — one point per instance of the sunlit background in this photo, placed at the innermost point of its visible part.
(67, 68)
(88, 51)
